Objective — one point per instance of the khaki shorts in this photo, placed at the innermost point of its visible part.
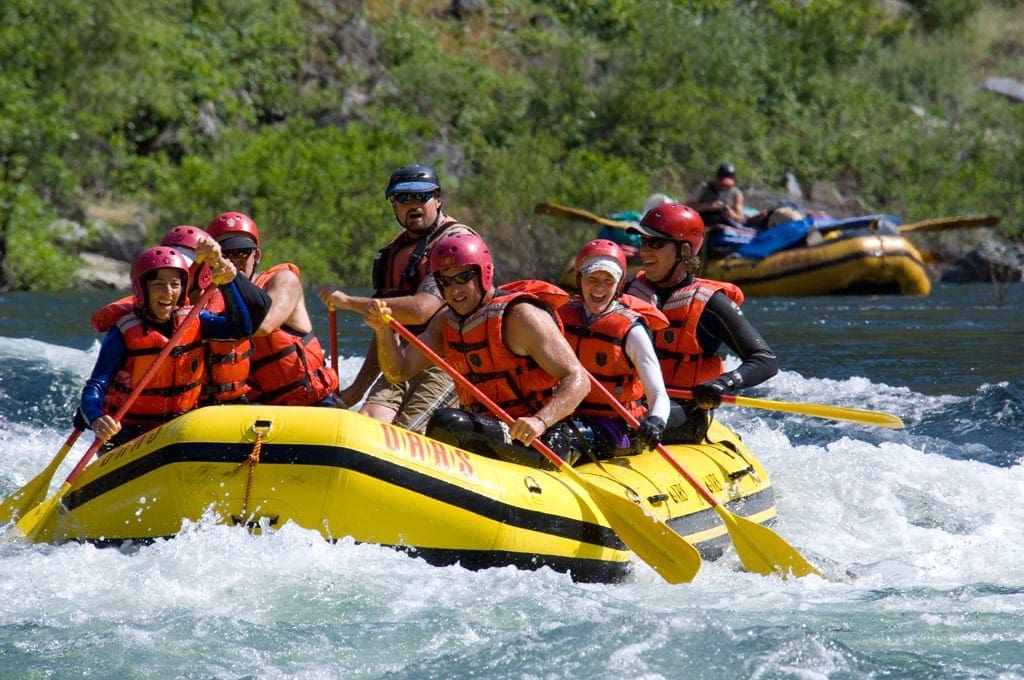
(415, 400)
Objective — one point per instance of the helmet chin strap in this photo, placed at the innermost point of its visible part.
(675, 267)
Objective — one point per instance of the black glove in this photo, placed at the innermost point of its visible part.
(650, 431)
(709, 394)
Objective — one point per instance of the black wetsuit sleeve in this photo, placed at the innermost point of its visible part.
(245, 307)
(724, 322)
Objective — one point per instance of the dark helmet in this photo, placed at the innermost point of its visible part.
(150, 260)
(461, 250)
(416, 177)
(234, 230)
(601, 248)
(726, 170)
(675, 221)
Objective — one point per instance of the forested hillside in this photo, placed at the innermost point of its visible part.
(121, 119)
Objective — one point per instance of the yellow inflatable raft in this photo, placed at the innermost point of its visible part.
(343, 474)
(864, 263)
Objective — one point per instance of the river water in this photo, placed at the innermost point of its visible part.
(920, 533)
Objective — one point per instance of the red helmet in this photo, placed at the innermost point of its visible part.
(234, 230)
(675, 221)
(603, 248)
(184, 236)
(151, 259)
(460, 250)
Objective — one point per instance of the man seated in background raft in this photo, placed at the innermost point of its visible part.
(610, 334)
(720, 201)
(401, 277)
(159, 278)
(508, 344)
(287, 365)
(703, 315)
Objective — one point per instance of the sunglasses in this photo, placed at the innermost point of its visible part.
(654, 243)
(239, 253)
(462, 278)
(414, 197)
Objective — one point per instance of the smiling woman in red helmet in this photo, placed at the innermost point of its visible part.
(703, 315)
(137, 333)
(508, 343)
(610, 333)
(287, 365)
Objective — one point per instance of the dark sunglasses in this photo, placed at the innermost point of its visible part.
(238, 253)
(462, 278)
(654, 243)
(414, 197)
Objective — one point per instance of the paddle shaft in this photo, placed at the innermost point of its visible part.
(332, 322)
(578, 214)
(853, 415)
(543, 448)
(144, 380)
(945, 223)
(621, 409)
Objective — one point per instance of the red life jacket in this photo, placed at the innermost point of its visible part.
(227, 361)
(601, 348)
(475, 347)
(683, 362)
(178, 381)
(287, 368)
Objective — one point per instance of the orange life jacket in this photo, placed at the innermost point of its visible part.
(683, 362)
(178, 381)
(401, 266)
(227, 361)
(601, 348)
(475, 347)
(287, 368)
(227, 364)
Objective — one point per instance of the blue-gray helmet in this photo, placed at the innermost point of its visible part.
(412, 178)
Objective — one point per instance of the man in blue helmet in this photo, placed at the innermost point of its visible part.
(401, 277)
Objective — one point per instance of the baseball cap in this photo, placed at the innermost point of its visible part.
(602, 263)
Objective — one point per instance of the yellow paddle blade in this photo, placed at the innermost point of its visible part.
(39, 524)
(651, 539)
(853, 415)
(19, 503)
(761, 550)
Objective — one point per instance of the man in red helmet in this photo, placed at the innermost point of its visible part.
(401, 277)
(703, 315)
(287, 365)
(509, 344)
(137, 333)
(611, 334)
